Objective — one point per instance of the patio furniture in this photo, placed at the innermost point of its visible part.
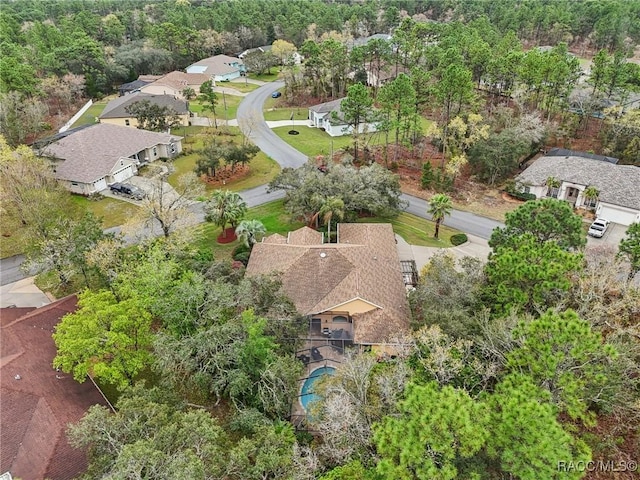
(315, 354)
(304, 358)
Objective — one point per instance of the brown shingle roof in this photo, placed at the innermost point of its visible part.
(91, 153)
(36, 409)
(320, 277)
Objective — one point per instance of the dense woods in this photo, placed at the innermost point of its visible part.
(512, 369)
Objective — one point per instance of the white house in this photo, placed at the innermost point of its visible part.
(89, 159)
(220, 68)
(328, 117)
(618, 185)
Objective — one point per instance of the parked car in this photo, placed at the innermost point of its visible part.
(127, 190)
(598, 228)
(276, 95)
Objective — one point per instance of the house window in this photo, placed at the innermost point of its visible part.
(74, 184)
(590, 202)
(526, 189)
(127, 123)
(155, 152)
(552, 192)
(340, 319)
(172, 148)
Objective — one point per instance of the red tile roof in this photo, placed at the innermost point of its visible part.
(36, 409)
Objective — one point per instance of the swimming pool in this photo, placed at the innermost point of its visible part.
(306, 394)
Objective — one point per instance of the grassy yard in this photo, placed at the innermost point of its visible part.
(416, 230)
(112, 211)
(13, 235)
(262, 168)
(231, 101)
(266, 77)
(271, 214)
(312, 141)
(94, 111)
(240, 85)
(301, 114)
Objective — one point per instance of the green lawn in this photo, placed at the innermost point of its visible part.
(271, 214)
(240, 85)
(93, 112)
(231, 102)
(262, 168)
(266, 77)
(312, 141)
(112, 211)
(13, 236)
(416, 230)
(300, 114)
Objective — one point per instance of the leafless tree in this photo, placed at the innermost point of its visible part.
(168, 207)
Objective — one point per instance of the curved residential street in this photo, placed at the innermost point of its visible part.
(251, 120)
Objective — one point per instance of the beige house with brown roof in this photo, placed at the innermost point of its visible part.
(352, 289)
(174, 83)
(116, 112)
(89, 159)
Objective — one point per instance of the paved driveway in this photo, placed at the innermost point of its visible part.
(612, 236)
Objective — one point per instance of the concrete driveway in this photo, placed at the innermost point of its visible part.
(612, 236)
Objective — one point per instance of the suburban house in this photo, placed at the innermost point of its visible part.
(362, 41)
(262, 49)
(328, 117)
(174, 83)
(39, 402)
(136, 85)
(220, 68)
(618, 185)
(378, 75)
(116, 113)
(89, 159)
(294, 59)
(351, 290)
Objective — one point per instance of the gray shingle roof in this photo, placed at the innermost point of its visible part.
(91, 153)
(618, 184)
(332, 106)
(117, 108)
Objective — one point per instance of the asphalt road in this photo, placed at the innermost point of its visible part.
(251, 121)
(10, 269)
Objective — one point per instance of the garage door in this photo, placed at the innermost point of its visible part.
(123, 174)
(99, 185)
(616, 214)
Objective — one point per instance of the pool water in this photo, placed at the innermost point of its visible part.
(306, 394)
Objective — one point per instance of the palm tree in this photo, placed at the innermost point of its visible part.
(591, 193)
(225, 206)
(439, 206)
(248, 231)
(332, 207)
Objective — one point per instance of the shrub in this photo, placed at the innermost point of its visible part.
(458, 239)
